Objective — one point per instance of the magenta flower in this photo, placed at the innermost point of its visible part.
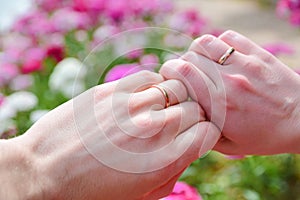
(134, 54)
(295, 18)
(1, 99)
(33, 59)
(279, 48)
(56, 52)
(89, 5)
(117, 9)
(34, 24)
(289, 9)
(120, 71)
(183, 191)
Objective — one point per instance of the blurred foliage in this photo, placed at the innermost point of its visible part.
(252, 178)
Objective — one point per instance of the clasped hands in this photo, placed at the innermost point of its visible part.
(127, 140)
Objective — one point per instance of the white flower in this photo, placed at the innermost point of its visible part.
(6, 111)
(68, 77)
(21, 101)
(37, 114)
(18, 101)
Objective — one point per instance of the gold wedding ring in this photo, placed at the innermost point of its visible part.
(165, 94)
(226, 55)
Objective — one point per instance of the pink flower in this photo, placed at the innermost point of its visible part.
(1, 99)
(66, 19)
(7, 73)
(33, 59)
(290, 9)
(295, 18)
(89, 5)
(21, 82)
(293, 4)
(148, 7)
(149, 59)
(34, 24)
(134, 54)
(183, 191)
(122, 70)
(117, 9)
(50, 5)
(189, 22)
(279, 48)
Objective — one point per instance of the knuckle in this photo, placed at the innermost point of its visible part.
(253, 65)
(267, 58)
(240, 82)
(186, 69)
(149, 76)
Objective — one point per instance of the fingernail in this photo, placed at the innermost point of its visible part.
(232, 35)
(207, 40)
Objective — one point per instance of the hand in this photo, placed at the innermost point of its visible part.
(117, 141)
(254, 97)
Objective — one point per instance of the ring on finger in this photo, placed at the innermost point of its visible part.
(165, 94)
(226, 55)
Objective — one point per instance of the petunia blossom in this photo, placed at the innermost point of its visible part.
(120, 71)
(33, 59)
(279, 48)
(183, 191)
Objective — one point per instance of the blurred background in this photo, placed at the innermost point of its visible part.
(47, 56)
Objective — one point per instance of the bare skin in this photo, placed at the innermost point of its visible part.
(57, 158)
(256, 94)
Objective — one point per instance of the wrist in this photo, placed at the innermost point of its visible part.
(17, 171)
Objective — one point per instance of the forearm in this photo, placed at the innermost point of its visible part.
(17, 172)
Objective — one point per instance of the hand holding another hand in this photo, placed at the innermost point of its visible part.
(252, 97)
(115, 141)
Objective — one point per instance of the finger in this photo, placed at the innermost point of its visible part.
(176, 92)
(193, 143)
(180, 117)
(166, 124)
(205, 135)
(200, 87)
(246, 46)
(213, 48)
(207, 66)
(137, 82)
(241, 43)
